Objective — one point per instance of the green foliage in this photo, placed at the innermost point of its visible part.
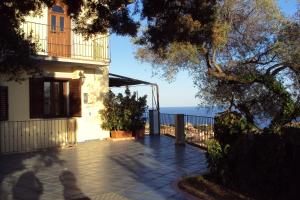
(16, 50)
(259, 163)
(123, 112)
(215, 158)
(228, 125)
(248, 61)
(89, 17)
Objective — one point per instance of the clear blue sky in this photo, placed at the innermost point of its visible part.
(180, 92)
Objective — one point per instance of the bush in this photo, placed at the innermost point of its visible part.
(261, 163)
(216, 159)
(228, 125)
(123, 112)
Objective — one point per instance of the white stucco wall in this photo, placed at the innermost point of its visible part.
(18, 100)
(95, 85)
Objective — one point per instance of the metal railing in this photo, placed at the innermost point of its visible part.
(65, 43)
(31, 135)
(198, 129)
(167, 124)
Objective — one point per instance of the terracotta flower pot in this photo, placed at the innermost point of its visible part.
(140, 133)
(120, 134)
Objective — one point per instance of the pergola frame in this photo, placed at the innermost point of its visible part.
(120, 81)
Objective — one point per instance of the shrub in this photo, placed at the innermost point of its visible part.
(123, 112)
(261, 163)
(216, 159)
(228, 125)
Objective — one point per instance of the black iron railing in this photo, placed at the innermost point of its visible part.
(167, 124)
(198, 129)
(31, 135)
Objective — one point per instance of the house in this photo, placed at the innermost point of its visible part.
(60, 106)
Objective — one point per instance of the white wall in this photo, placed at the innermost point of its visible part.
(95, 85)
(18, 100)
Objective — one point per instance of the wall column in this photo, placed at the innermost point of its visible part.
(179, 129)
(154, 122)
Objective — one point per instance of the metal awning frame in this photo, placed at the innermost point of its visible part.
(116, 80)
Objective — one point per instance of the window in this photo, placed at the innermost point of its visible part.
(3, 103)
(56, 98)
(57, 9)
(53, 23)
(50, 97)
(62, 24)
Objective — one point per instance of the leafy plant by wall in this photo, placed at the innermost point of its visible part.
(123, 112)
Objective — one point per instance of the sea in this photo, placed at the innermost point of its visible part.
(207, 111)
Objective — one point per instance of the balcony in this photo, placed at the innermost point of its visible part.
(54, 42)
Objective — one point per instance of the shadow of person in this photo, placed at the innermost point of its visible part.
(71, 190)
(28, 187)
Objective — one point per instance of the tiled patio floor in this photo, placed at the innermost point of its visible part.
(122, 170)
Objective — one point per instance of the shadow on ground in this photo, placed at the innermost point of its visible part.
(18, 178)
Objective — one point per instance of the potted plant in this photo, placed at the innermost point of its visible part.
(123, 114)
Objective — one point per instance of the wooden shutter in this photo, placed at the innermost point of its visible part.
(75, 98)
(36, 92)
(3, 103)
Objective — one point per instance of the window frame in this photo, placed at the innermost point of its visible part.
(64, 103)
(53, 25)
(36, 97)
(58, 9)
(61, 23)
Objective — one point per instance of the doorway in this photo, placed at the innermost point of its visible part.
(59, 31)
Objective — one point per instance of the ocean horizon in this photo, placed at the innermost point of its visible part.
(207, 111)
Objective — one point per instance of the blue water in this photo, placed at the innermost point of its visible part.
(206, 112)
(199, 111)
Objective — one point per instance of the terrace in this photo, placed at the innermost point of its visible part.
(143, 169)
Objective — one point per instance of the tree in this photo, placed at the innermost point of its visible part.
(165, 20)
(249, 61)
(16, 50)
(91, 17)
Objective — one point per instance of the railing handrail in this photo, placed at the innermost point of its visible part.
(200, 116)
(36, 120)
(75, 47)
(42, 24)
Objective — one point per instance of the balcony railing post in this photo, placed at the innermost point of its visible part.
(179, 129)
(154, 122)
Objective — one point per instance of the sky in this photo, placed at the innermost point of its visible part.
(180, 92)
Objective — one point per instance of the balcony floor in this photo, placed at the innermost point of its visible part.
(120, 170)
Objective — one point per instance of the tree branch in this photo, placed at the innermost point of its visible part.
(268, 72)
(279, 69)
